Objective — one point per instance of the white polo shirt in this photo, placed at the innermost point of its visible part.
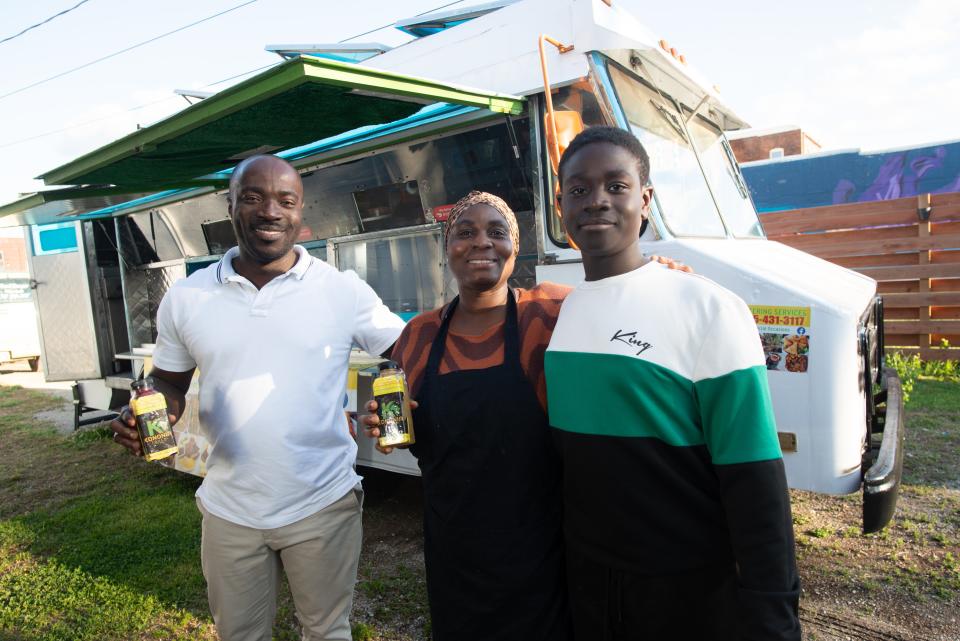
(273, 370)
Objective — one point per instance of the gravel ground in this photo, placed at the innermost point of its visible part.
(18, 373)
(892, 586)
(902, 584)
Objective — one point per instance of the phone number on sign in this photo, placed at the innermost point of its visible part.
(792, 321)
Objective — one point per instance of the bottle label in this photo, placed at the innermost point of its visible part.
(153, 424)
(388, 385)
(396, 425)
(149, 403)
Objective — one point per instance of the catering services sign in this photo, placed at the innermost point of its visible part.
(785, 336)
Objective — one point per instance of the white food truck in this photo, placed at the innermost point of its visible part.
(387, 139)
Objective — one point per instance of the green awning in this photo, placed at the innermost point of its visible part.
(298, 102)
(58, 205)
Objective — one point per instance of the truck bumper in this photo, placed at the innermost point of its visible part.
(881, 481)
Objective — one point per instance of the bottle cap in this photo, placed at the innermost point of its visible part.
(140, 384)
(388, 365)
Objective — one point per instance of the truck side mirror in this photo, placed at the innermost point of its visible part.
(561, 128)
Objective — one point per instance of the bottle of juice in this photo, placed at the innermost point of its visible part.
(149, 409)
(393, 406)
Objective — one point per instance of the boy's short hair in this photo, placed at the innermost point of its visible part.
(614, 136)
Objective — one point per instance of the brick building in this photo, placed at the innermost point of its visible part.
(13, 252)
(763, 144)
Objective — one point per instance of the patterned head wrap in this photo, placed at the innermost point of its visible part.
(483, 198)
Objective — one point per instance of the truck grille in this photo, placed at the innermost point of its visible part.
(870, 350)
(871, 342)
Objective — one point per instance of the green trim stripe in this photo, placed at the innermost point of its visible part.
(616, 395)
(738, 415)
(393, 84)
(624, 396)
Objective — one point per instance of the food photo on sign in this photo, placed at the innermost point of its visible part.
(785, 337)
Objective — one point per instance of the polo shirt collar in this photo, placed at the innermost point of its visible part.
(226, 272)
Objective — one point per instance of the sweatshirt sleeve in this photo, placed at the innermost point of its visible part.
(738, 423)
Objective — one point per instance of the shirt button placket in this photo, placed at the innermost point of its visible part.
(263, 298)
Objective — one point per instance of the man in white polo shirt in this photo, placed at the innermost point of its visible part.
(270, 329)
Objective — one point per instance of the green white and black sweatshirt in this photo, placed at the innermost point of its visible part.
(658, 394)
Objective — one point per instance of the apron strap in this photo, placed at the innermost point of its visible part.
(511, 332)
(511, 336)
(440, 341)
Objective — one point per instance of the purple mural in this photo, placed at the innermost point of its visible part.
(898, 178)
(850, 177)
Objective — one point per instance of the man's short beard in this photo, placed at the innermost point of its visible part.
(264, 258)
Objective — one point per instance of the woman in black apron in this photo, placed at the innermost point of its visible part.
(492, 528)
(492, 512)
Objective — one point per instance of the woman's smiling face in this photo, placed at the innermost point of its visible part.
(480, 252)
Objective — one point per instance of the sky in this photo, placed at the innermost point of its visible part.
(853, 74)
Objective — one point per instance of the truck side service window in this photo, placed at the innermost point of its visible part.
(397, 189)
(400, 187)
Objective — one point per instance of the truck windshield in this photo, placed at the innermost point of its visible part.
(682, 193)
(729, 188)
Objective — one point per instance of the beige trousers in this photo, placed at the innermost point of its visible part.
(319, 554)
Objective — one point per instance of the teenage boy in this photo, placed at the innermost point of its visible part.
(677, 514)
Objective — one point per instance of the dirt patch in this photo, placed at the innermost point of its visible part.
(898, 585)
(58, 414)
(902, 584)
(390, 602)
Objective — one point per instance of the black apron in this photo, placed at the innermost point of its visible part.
(493, 541)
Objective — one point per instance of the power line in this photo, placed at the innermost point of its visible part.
(131, 48)
(366, 33)
(438, 8)
(40, 24)
(212, 84)
(245, 73)
(114, 114)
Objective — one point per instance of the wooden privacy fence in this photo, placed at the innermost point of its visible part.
(911, 246)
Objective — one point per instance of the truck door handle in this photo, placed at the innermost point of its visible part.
(34, 283)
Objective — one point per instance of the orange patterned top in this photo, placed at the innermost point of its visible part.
(537, 311)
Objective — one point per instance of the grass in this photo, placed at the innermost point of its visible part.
(399, 593)
(98, 545)
(932, 437)
(910, 569)
(95, 544)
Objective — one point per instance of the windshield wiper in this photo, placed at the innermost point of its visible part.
(671, 120)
